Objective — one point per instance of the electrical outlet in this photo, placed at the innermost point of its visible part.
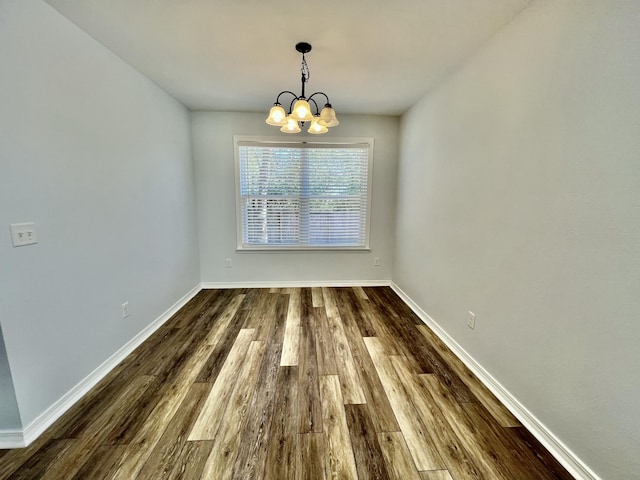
(125, 309)
(23, 234)
(376, 261)
(471, 320)
(228, 263)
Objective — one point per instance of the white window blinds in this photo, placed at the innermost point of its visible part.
(303, 196)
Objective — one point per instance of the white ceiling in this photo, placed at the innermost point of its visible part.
(369, 56)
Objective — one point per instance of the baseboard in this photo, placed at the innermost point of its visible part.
(296, 284)
(17, 439)
(11, 439)
(569, 460)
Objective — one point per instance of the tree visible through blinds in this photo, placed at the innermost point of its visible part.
(304, 196)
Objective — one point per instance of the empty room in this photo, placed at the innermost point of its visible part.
(345, 240)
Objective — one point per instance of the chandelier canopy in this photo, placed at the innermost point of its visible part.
(300, 106)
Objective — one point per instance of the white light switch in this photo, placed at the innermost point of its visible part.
(23, 234)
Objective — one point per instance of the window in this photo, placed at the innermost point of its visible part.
(303, 195)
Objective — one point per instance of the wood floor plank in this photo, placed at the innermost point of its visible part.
(168, 449)
(326, 354)
(191, 461)
(175, 393)
(524, 439)
(481, 454)
(291, 343)
(431, 362)
(420, 444)
(97, 430)
(133, 459)
(436, 475)
(192, 310)
(267, 318)
(277, 331)
(256, 305)
(218, 329)
(220, 463)
(146, 438)
(330, 304)
(410, 345)
(397, 457)
(340, 461)
(160, 358)
(211, 368)
(380, 325)
(360, 293)
(281, 453)
(310, 458)
(364, 440)
(389, 297)
(380, 409)
(309, 411)
(396, 330)
(317, 298)
(350, 383)
(211, 310)
(13, 459)
(482, 393)
(349, 303)
(37, 465)
(103, 463)
(447, 444)
(211, 415)
(252, 452)
(168, 376)
(166, 356)
(508, 455)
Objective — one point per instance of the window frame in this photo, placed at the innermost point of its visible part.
(242, 140)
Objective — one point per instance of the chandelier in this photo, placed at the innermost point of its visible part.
(300, 106)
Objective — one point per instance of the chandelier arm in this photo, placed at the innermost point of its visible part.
(282, 93)
(320, 93)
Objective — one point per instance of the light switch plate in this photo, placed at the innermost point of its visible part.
(23, 234)
(471, 320)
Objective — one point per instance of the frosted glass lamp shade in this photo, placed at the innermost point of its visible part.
(291, 126)
(316, 127)
(328, 117)
(277, 116)
(302, 111)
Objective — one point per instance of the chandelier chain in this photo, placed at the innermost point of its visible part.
(304, 69)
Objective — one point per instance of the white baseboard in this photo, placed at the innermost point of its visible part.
(18, 439)
(295, 284)
(569, 460)
(11, 439)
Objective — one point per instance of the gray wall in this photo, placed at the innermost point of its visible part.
(213, 156)
(519, 188)
(9, 414)
(99, 158)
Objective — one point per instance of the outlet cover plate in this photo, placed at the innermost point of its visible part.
(23, 234)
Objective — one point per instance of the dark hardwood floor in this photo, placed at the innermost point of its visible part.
(303, 383)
